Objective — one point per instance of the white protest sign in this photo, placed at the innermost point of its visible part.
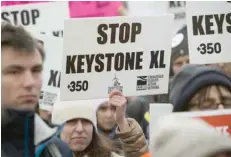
(178, 8)
(52, 71)
(219, 119)
(156, 7)
(209, 31)
(157, 111)
(130, 54)
(46, 17)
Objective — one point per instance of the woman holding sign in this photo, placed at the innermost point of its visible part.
(80, 129)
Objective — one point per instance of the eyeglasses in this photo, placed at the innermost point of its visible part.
(209, 104)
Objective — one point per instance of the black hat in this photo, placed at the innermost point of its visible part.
(180, 44)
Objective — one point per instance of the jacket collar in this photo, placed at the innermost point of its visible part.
(42, 130)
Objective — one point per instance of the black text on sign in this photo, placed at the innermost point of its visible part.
(127, 33)
(23, 17)
(211, 24)
(104, 62)
(54, 80)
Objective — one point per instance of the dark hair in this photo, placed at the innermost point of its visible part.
(18, 38)
(100, 146)
(201, 96)
(228, 154)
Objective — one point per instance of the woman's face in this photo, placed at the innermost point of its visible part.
(211, 98)
(77, 134)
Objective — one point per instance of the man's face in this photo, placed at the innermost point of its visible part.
(77, 134)
(179, 63)
(21, 79)
(105, 117)
(212, 98)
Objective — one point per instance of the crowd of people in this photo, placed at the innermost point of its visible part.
(118, 126)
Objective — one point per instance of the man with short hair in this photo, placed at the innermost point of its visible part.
(22, 65)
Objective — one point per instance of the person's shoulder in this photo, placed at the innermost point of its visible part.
(63, 147)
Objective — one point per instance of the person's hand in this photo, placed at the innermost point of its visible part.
(117, 100)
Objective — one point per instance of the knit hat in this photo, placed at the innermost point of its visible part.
(188, 137)
(180, 44)
(192, 78)
(64, 111)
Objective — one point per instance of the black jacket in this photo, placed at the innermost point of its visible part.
(18, 134)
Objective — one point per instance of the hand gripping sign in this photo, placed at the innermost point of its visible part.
(46, 18)
(209, 31)
(130, 54)
(52, 70)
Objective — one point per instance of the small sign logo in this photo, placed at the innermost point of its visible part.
(116, 85)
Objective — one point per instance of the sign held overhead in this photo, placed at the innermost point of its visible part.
(116, 54)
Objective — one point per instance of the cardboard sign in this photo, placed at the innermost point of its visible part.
(46, 18)
(130, 54)
(209, 31)
(159, 7)
(52, 71)
(157, 111)
(178, 8)
(220, 119)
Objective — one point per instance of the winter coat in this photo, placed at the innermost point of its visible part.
(25, 134)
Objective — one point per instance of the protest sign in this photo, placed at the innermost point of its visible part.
(156, 7)
(130, 54)
(178, 8)
(157, 111)
(46, 18)
(52, 70)
(220, 119)
(209, 31)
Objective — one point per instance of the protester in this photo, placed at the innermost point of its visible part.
(200, 87)
(80, 129)
(181, 137)
(180, 51)
(136, 108)
(22, 65)
(179, 58)
(106, 123)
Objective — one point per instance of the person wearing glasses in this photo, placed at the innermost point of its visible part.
(200, 87)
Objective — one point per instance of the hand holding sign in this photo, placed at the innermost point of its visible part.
(118, 101)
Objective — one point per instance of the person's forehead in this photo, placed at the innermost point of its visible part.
(11, 56)
(77, 119)
(181, 58)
